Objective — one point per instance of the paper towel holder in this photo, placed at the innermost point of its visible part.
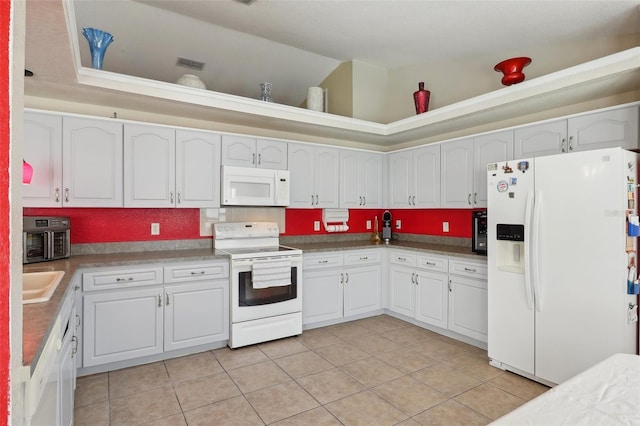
(335, 220)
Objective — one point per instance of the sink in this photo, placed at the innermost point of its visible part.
(38, 287)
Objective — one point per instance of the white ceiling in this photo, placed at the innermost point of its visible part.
(295, 44)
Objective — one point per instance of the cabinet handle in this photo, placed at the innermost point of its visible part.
(475, 198)
(417, 283)
(341, 277)
(179, 197)
(404, 259)
(469, 269)
(74, 340)
(347, 281)
(317, 199)
(364, 258)
(253, 158)
(570, 143)
(323, 261)
(449, 285)
(197, 273)
(409, 200)
(312, 203)
(430, 263)
(469, 199)
(166, 300)
(66, 195)
(77, 320)
(413, 200)
(171, 197)
(259, 159)
(361, 201)
(364, 201)
(562, 142)
(57, 195)
(124, 279)
(159, 300)
(413, 280)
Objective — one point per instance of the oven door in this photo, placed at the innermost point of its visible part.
(250, 301)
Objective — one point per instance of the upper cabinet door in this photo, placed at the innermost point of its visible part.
(197, 169)
(42, 149)
(606, 129)
(540, 139)
(426, 180)
(149, 166)
(302, 174)
(271, 154)
(350, 194)
(457, 174)
(92, 157)
(327, 177)
(400, 179)
(371, 180)
(239, 151)
(490, 148)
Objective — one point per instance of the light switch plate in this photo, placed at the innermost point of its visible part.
(445, 226)
(398, 224)
(316, 225)
(369, 224)
(155, 229)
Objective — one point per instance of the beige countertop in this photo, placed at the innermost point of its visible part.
(38, 317)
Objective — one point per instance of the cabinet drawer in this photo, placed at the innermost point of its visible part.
(403, 258)
(432, 263)
(322, 261)
(362, 257)
(196, 272)
(121, 278)
(467, 269)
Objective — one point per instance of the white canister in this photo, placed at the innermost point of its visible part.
(315, 99)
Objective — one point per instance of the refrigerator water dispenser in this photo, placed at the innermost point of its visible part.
(510, 248)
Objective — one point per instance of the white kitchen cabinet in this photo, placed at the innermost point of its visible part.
(468, 311)
(414, 178)
(464, 167)
(456, 171)
(418, 287)
(129, 313)
(315, 175)
(92, 159)
(196, 306)
(164, 167)
(606, 129)
(360, 179)
(149, 166)
(340, 285)
(42, 149)
(244, 151)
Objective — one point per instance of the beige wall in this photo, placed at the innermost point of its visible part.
(370, 85)
(457, 80)
(340, 90)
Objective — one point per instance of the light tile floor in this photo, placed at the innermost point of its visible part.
(374, 371)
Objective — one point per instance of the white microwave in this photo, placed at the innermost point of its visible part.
(246, 186)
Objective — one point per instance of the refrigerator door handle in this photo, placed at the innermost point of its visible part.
(528, 210)
(535, 247)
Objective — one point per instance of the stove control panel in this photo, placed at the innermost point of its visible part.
(234, 230)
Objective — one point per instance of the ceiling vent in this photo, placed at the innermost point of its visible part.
(190, 63)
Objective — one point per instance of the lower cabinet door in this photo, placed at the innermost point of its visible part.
(196, 314)
(431, 298)
(402, 290)
(362, 287)
(67, 366)
(322, 296)
(122, 325)
(468, 307)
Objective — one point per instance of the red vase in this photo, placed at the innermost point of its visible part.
(421, 98)
(512, 70)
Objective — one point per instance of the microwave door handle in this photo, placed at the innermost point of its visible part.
(46, 244)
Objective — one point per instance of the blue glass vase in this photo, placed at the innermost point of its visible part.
(98, 42)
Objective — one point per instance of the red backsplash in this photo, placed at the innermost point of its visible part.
(98, 225)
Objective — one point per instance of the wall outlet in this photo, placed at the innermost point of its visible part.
(398, 224)
(369, 224)
(155, 229)
(316, 225)
(445, 226)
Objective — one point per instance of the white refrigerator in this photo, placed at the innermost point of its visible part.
(558, 262)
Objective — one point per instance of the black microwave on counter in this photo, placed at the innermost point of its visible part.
(45, 238)
(479, 232)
